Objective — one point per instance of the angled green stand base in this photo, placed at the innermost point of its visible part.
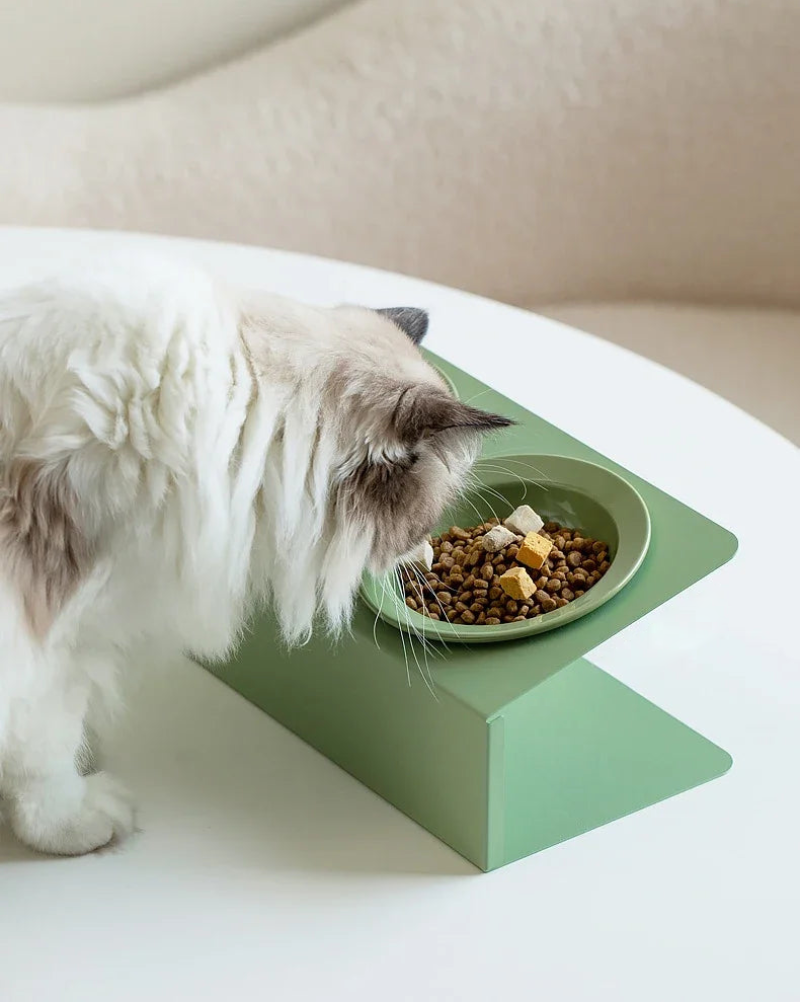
(577, 751)
(581, 750)
(526, 743)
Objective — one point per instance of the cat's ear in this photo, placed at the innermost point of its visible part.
(422, 413)
(40, 539)
(411, 321)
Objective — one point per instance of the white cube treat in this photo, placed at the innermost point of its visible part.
(523, 520)
(496, 538)
(422, 556)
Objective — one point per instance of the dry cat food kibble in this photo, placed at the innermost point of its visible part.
(488, 575)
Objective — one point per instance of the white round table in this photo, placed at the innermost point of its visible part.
(263, 871)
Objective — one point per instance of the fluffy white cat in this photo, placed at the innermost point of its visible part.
(172, 453)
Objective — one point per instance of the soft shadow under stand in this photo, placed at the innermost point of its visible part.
(526, 743)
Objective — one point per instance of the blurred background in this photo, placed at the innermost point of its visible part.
(628, 166)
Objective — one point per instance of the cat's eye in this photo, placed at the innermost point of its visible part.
(403, 463)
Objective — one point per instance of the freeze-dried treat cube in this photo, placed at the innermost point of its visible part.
(523, 520)
(517, 584)
(496, 538)
(422, 556)
(534, 550)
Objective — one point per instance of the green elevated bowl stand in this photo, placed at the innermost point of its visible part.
(526, 743)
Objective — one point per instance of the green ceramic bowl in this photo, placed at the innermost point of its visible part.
(561, 489)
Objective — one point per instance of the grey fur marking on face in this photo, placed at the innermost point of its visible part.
(431, 440)
(410, 320)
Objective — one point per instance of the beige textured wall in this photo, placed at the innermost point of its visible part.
(90, 50)
(538, 153)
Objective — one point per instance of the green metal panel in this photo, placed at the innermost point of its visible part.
(582, 750)
(427, 756)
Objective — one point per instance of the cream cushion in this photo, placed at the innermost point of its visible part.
(750, 356)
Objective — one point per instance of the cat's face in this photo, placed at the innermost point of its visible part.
(413, 443)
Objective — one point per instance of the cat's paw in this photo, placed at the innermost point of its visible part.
(70, 820)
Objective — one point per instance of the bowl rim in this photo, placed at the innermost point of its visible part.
(389, 609)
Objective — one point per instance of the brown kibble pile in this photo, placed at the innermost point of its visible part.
(463, 585)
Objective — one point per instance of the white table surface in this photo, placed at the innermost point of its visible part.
(263, 871)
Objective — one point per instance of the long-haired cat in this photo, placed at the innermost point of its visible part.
(172, 453)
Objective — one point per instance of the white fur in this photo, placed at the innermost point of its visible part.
(195, 447)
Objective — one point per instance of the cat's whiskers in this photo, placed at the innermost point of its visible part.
(405, 656)
(408, 669)
(379, 613)
(480, 393)
(479, 489)
(476, 487)
(410, 569)
(426, 585)
(427, 679)
(495, 468)
(485, 463)
(475, 490)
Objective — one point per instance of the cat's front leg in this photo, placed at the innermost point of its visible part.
(49, 804)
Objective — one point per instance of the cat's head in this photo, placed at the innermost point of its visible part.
(415, 442)
(381, 447)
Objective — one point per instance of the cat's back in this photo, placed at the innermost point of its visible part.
(121, 298)
(115, 325)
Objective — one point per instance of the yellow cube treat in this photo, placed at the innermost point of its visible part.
(535, 550)
(517, 584)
